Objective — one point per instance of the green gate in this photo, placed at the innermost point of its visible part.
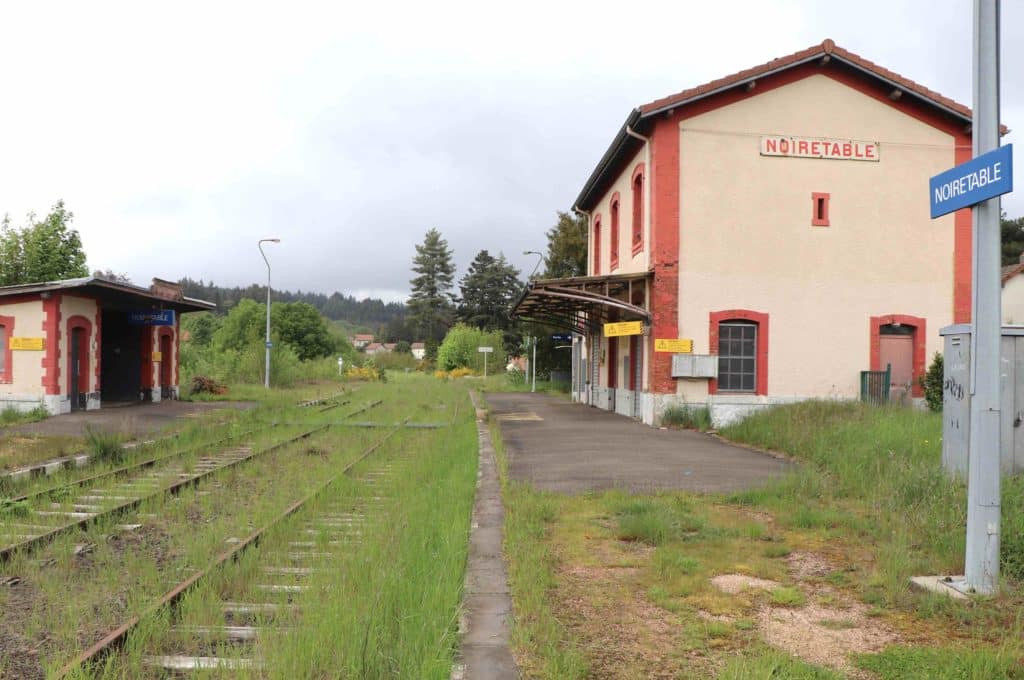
(874, 385)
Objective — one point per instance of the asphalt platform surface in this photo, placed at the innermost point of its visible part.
(560, 446)
(135, 419)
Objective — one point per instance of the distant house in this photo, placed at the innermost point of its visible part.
(361, 340)
(418, 349)
(1013, 293)
(375, 348)
(390, 346)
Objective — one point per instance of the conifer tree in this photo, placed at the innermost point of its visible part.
(431, 304)
(488, 290)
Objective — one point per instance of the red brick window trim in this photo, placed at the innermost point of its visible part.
(638, 209)
(614, 235)
(6, 355)
(819, 209)
(597, 244)
(920, 334)
(760, 320)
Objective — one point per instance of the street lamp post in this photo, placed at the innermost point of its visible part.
(266, 372)
(540, 258)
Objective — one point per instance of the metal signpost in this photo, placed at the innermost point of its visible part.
(485, 351)
(979, 183)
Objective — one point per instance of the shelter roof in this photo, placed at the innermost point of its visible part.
(581, 303)
(162, 294)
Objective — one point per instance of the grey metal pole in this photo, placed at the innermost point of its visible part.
(266, 344)
(534, 365)
(981, 564)
(485, 365)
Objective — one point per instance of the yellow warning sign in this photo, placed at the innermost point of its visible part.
(30, 344)
(158, 356)
(674, 345)
(613, 330)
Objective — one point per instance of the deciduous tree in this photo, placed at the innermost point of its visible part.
(43, 250)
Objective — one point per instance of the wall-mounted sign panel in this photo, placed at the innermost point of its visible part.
(673, 345)
(152, 317)
(979, 179)
(620, 328)
(28, 344)
(158, 356)
(820, 147)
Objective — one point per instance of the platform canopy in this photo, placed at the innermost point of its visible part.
(582, 304)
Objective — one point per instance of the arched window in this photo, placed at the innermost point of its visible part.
(597, 244)
(638, 209)
(614, 236)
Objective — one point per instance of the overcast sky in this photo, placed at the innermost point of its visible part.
(181, 133)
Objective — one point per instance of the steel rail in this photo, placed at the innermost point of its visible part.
(117, 637)
(85, 481)
(35, 542)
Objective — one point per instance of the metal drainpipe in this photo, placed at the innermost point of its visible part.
(586, 340)
(647, 227)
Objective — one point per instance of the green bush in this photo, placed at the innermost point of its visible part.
(459, 349)
(932, 383)
(687, 417)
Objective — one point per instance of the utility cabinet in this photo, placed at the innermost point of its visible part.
(956, 399)
(694, 366)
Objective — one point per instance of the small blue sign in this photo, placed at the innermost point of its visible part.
(270, 344)
(979, 179)
(561, 337)
(152, 317)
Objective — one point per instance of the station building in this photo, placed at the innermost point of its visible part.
(770, 233)
(76, 344)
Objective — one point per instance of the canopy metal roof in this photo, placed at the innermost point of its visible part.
(582, 304)
(110, 293)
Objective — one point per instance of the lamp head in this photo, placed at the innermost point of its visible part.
(270, 240)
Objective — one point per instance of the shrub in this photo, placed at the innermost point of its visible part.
(687, 417)
(201, 384)
(932, 383)
(368, 372)
(460, 349)
(394, 361)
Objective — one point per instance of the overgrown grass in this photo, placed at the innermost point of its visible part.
(915, 663)
(542, 644)
(105, 447)
(12, 416)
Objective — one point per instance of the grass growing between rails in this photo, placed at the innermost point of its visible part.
(804, 578)
(383, 604)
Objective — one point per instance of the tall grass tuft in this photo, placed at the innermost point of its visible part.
(687, 416)
(104, 446)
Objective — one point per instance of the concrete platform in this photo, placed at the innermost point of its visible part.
(571, 448)
(138, 419)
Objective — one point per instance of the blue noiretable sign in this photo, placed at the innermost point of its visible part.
(979, 179)
(270, 345)
(152, 317)
(561, 337)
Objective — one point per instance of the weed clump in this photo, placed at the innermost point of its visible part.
(104, 446)
(202, 384)
(654, 521)
(687, 417)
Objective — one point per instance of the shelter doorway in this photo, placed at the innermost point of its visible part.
(78, 379)
(121, 358)
(896, 349)
(165, 366)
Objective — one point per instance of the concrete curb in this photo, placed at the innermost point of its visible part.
(484, 626)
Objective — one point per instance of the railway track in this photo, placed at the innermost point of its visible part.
(335, 525)
(98, 503)
(86, 502)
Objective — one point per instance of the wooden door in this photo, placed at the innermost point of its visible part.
(898, 352)
(78, 380)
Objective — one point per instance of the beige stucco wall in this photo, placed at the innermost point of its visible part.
(27, 374)
(1013, 300)
(71, 305)
(747, 242)
(628, 263)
